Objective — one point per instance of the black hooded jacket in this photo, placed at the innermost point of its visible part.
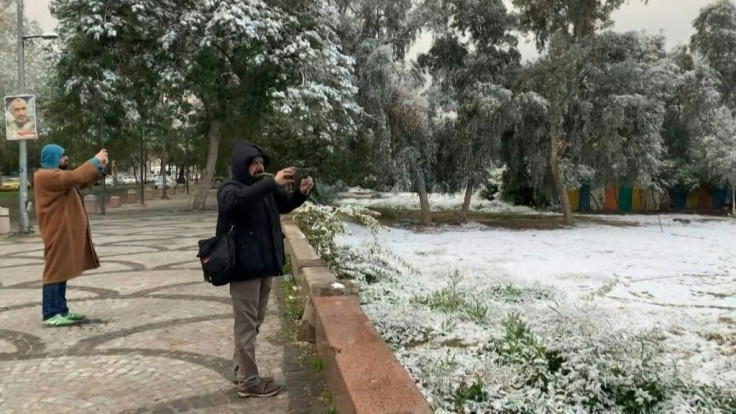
(251, 207)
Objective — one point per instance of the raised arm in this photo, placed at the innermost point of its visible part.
(82, 176)
(233, 198)
(288, 201)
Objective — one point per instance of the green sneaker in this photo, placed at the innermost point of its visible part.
(74, 316)
(58, 321)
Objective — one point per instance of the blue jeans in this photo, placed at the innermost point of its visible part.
(54, 300)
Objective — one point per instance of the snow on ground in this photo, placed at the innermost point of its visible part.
(437, 202)
(679, 278)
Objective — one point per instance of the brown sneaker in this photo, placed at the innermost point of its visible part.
(260, 390)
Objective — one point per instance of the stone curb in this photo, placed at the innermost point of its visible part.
(362, 373)
(312, 275)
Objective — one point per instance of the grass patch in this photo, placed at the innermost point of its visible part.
(512, 221)
(414, 344)
(467, 393)
(454, 343)
(293, 309)
(447, 300)
(317, 364)
(310, 364)
(443, 365)
(521, 346)
(8, 195)
(326, 399)
(474, 307)
(514, 294)
(451, 299)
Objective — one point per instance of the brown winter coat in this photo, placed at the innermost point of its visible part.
(63, 222)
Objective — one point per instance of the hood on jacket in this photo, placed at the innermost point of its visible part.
(243, 154)
(51, 156)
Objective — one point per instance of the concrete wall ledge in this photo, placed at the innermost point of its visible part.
(362, 373)
(318, 282)
(312, 275)
(302, 254)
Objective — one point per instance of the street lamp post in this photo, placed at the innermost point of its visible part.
(101, 138)
(25, 226)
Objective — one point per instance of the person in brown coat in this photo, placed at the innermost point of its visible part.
(64, 227)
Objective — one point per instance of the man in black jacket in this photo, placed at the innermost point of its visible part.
(249, 205)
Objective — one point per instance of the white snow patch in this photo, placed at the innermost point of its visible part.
(437, 202)
(677, 278)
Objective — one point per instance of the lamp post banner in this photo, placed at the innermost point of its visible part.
(20, 117)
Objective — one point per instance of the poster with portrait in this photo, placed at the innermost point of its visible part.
(20, 117)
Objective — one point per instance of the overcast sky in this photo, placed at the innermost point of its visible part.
(673, 18)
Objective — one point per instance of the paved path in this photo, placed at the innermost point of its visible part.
(158, 338)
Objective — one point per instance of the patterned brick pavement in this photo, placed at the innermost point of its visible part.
(158, 338)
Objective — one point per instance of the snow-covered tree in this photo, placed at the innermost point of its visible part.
(276, 65)
(567, 21)
(256, 70)
(364, 27)
(687, 122)
(368, 24)
(715, 42)
(315, 117)
(399, 112)
(471, 62)
(105, 82)
(716, 151)
(575, 19)
(605, 98)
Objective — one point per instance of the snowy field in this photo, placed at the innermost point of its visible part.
(437, 202)
(601, 297)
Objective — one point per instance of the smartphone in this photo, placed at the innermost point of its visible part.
(302, 173)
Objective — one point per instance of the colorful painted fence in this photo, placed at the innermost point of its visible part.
(615, 198)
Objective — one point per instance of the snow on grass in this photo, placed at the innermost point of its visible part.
(600, 298)
(437, 202)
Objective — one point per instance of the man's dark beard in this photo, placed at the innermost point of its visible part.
(64, 166)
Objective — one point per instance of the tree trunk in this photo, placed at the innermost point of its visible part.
(142, 184)
(164, 177)
(733, 200)
(186, 166)
(554, 165)
(466, 203)
(213, 134)
(586, 26)
(425, 218)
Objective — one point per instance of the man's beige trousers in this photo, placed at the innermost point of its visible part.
(250, 300)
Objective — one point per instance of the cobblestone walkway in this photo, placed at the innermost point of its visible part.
(158, 338)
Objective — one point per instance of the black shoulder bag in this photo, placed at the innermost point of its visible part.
(219, 258)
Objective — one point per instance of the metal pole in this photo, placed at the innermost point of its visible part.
(102, 145)
(25, 226)
(143, 176)
(164, 177)
(186, 161)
